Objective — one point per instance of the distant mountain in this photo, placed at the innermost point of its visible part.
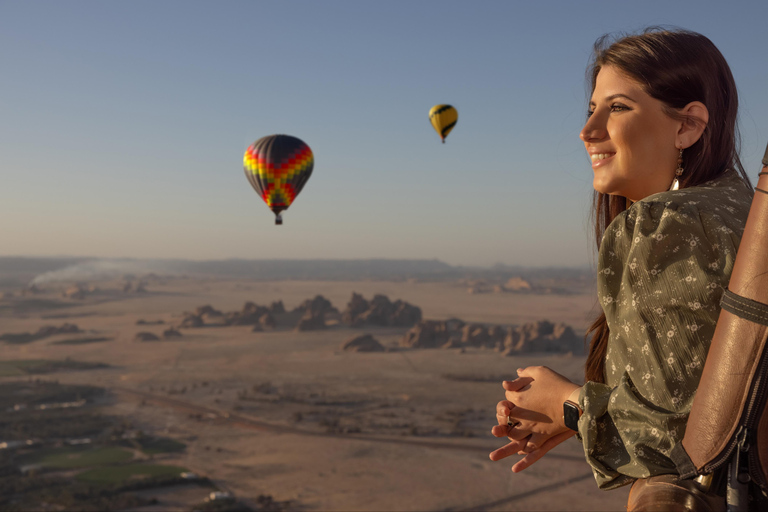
(21, 271)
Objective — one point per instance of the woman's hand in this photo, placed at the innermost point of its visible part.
(534, 406)
(532, 457)
(538, 395)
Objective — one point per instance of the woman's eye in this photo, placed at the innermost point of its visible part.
(589, 113)
(617, 107)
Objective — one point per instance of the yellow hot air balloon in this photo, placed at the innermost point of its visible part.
(443, 119)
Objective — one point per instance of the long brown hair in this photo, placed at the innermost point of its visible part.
(675, 67)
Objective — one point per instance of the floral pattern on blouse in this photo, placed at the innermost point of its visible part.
(663, 266)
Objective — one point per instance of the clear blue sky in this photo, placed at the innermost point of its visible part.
(123, 124)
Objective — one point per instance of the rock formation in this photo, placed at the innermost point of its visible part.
(426, 334)
(541, 336)
(544, 336)
(380, 311)
(314, 313)
(149, 322)
(249, 315)
(77, 292)
(171, 333)
(277, 308)
(517, 284)
(191, 320)
(146, 336)
(267, 321)
(364, 343)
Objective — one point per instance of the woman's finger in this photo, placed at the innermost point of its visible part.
(507, 450)
(509, 427)
(532, 457)
(517, 384)
(534, 443)
(504, 409)
(499, 431)
(515, 433)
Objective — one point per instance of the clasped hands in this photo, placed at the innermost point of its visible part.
(532, 415)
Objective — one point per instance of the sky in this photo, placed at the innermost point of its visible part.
(123, 124)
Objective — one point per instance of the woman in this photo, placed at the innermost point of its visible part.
(671, 200)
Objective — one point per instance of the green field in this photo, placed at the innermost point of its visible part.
(78, 457)
(154, 445)
(9, 369)
(40, 366)
(120, 474)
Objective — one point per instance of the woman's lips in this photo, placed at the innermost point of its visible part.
(599, 159)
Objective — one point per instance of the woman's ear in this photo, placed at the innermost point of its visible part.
(696, 119)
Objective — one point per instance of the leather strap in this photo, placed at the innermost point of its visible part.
(683, 463)
(745, 308)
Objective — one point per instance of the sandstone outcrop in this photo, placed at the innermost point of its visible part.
(149, 322)
(277, 308)
(517, 284)
(380, 311)
(311, 322)
(191, 320)
(315, 312)
(364, 343)
(249, 315)
(76, 292)
(544, 336)
(541, 336)
(146, 336)
(267, 321)
(171, 333)
(426, 334)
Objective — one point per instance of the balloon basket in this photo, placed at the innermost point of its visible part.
(278, 220)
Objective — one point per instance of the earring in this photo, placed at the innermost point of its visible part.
(678, 172)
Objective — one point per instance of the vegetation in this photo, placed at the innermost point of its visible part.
(24, 493)
(70, 457)
(119, 474)
(41, 366)
(108, 475)
(155, 445)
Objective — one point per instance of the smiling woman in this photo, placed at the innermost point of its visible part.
(634, 144)
(671, 200)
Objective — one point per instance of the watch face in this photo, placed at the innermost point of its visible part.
(571, 415)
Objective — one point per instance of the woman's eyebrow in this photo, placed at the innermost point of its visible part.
(613, 97)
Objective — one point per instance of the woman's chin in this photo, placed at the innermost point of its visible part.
(602, 187)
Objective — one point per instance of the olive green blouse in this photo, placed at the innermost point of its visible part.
(663, 266)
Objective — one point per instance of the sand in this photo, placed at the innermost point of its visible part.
(291, 415)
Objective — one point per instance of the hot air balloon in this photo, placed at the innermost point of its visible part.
(443, 119)
(277, 167)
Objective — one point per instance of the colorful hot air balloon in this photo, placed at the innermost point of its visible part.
(443, 119)
(278, 166)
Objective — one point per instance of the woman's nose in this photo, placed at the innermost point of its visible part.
(594, 130)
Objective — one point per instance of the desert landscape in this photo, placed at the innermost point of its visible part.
(214, 392)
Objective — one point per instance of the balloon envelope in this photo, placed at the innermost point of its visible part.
(277, 167)
(443, 119)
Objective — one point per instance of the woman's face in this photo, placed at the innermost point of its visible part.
(629, 138)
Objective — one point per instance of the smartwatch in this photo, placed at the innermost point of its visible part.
(572, 412)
